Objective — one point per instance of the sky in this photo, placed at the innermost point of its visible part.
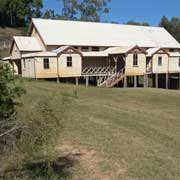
(122, 11)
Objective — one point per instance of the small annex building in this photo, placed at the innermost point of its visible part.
(98, 53)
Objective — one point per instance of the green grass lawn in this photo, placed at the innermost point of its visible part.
(123, 134)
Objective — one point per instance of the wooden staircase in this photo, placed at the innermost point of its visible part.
(112, 80)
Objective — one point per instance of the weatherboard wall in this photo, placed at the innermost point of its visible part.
(37, 36)
(174, 65)
(28, 69)
(132, 70)
(15, 54)
(165, 63)
(73, 71)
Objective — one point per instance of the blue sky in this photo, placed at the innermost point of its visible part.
(138, 10)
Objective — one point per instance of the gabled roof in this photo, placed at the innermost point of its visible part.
(27, 43)
(40, 54)
(53, 53)
(6, 58)
(75, 33)
(64, 49)
(118, 50)
(123, 50)
(152, 51)
(61, 49)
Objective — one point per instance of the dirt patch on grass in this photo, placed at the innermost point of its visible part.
(91, 162)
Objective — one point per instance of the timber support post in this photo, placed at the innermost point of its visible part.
(179, 81)
(87, 81)
(167, 80)
(125, 82)
(146, 81)
(157, 80)
(135, 81)
(58, 80)
(77, 81)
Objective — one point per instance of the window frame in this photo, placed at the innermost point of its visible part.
(135, 59)
(46, 64)
(85, 48)
(95, 49)
(159, 60)
(69, 62)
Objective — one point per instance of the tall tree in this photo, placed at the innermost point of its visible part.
(36, 6)
(49, 14)
(172, 26)
(92, 10)
(19, 12)
(9, 91)
(131, 22)
(85, 10)
(69, 9)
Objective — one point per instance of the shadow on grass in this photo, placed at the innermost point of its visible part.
(60, 169)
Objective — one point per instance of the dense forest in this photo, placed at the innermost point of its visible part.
(18, 13)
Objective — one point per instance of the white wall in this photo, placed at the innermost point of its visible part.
(164, 67)
(135, 70)
(15, 52)
(46, 73)
(73, 71)
(37, 36)
(28, 67)
(174, 64)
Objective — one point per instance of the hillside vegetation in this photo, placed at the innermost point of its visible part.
(6, 35)
(127, 134)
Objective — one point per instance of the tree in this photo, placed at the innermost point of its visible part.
(19, 12)
(84, 10)
(69, 9)
(49, 14)
(2, 12)
(92, 10)
(37, 6)
(172, 26)
(131, 22)
(9, 91)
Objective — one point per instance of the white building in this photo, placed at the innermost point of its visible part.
(108, 54)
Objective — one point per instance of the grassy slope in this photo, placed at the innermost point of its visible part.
(6, 35)
(121, 133)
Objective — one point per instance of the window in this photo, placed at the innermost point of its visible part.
(85, 49)
(24, 63)
(135, 60)
(179, 61)
(95, 48)
(171, 50)
(69, 61)
(46, 63)
(159, 61)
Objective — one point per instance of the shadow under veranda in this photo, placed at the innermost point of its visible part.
(59, 169)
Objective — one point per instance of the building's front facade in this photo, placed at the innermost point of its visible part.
(107, 53)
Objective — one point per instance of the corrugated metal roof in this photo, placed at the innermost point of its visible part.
(27, 43)
(151, 51)
(60, 49)
(75, 33)
(40, 54)
(118, 50)
(6, 58)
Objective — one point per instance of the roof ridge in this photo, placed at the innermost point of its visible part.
(104, 23)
